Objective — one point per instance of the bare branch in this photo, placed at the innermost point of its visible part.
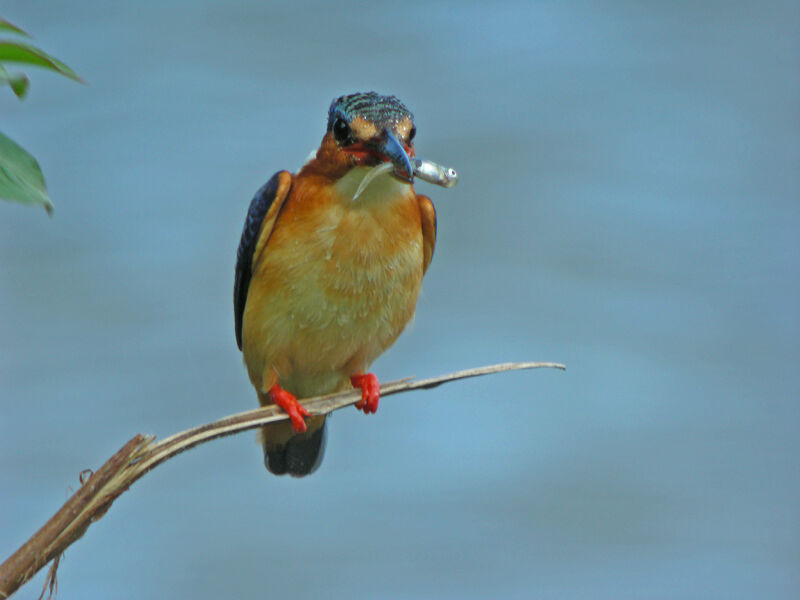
(141, 453)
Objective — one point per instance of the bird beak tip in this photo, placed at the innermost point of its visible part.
(395, 152)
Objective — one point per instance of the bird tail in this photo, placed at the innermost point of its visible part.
(297, 454)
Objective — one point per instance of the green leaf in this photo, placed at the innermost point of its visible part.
(6, 26)
(19, 52)
(21, 178)
(18, 82)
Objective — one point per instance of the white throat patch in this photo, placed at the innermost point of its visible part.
(370, 184)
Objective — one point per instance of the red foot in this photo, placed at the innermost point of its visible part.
(370, 392)
(290, 406)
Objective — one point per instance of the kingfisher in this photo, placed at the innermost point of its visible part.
(329, 269)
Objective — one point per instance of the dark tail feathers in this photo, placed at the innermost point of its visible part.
(297, 454)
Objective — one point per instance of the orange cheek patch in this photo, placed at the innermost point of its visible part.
(362, 129)
(403, 128)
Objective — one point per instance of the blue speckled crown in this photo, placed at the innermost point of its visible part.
(369, 105)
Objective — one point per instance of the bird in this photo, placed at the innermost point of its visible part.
(329, 269)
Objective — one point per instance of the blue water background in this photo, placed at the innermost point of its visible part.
(629, 205)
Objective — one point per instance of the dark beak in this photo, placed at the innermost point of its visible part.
(391, 148)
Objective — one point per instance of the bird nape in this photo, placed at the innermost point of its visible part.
(329, 268)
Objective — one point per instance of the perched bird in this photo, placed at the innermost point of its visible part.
(328, 271)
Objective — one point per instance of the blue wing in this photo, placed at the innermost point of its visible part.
(261, 215)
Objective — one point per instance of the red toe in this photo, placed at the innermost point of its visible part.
(290, 406)
(370, 392)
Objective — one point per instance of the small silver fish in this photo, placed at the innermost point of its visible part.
(426, 170)
(433, 173)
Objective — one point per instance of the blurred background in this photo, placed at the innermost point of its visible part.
(629, 204)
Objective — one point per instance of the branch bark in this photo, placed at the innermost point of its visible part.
(142, 453)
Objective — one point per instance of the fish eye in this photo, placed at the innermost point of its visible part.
(412, 133)
(341, 130)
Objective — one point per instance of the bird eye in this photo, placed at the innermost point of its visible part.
(412, 133)
(341, 130)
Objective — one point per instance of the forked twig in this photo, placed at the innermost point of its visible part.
(141, 453)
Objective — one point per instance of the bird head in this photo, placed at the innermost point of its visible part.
(367, 129)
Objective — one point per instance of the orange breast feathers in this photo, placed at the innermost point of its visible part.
(336, 281)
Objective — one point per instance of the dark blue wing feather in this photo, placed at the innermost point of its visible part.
(259, 207)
